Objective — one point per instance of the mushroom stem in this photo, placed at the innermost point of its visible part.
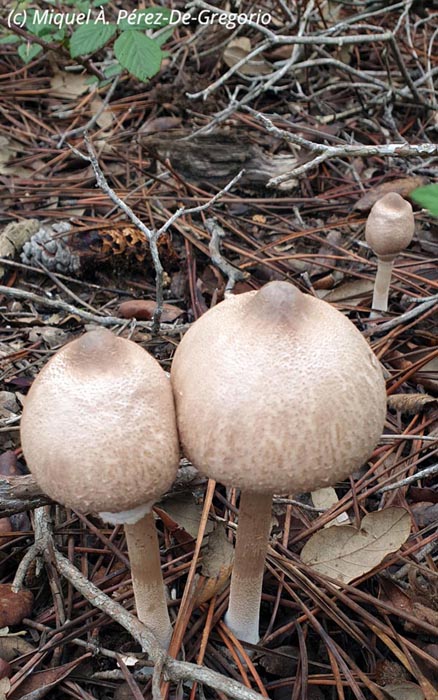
(381, 285)
(147, 579)
(247, 578)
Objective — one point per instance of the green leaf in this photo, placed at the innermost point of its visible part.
(150, 18)
(88, 38)
(113, 70)
(9, 39)
(163, 36)
(37, 28)
(139, 54)
(27, 52)
(427, 197)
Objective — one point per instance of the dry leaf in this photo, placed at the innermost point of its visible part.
(186, 512)
(351, 291)
(344, 553)
(402, 186)
(13, 645)
(40, 683)
(106, 117)
(69, 86)
(14, 606)
(281, 661)
(5, 686)
(14, 236)
(324, 499)
(410, 403)
(217, 564)
(237, 49)
(403, 691)
(143, 310)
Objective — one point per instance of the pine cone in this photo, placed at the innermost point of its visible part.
(50, 247)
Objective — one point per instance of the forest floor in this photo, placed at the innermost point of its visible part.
(309, 107)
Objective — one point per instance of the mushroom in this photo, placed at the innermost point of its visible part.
(99, 434)
(389, 230)
(275, 391)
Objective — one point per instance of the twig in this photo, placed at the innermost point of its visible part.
(382, 328)
(233, 274)
(89, 125)
(345, 151)
(107, 321)
(201, 207)
(150, 235)
(429, 471)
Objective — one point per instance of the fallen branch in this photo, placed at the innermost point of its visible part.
(326, 152)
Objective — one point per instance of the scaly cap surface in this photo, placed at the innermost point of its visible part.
(98, 428)
(277, 391)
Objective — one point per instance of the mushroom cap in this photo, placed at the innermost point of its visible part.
(390, 225)
(277, 391)
(98, 429)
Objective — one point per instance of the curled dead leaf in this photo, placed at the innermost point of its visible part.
(14, 606)
(410, 403)
(239, 48)
(345, 553)
(217, 564)
(143, 310)
(403, 186)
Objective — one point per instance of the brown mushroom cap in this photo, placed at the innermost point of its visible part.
(98, 428)
(390, 225)
(277, 391)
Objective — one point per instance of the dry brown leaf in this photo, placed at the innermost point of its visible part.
(402, 186)
(344, 553)
(14, 236)
(217, 564)
(5, 686)
(69, 86)
(353, 290)
(403, 691)
(13, 645)
(40, 683)
(106, 117)
(14, 606)
(237, 49)
(143, 310)
(324, 499)
(186, 512)
(410, 403)
(281, 661)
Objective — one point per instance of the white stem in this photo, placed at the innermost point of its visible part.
(381, 285)
(147, 579)
(247, 578)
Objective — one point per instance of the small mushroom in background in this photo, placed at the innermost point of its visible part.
(275, 391)
(389, 230)
(99, 434)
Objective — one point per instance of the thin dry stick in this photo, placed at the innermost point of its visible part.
(233, 274)
(345, 151)
(107, 321)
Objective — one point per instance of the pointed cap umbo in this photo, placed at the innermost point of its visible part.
(278, 391)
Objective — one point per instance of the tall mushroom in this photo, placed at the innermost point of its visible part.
(99, 433)
(275, 391)
(388, 230)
